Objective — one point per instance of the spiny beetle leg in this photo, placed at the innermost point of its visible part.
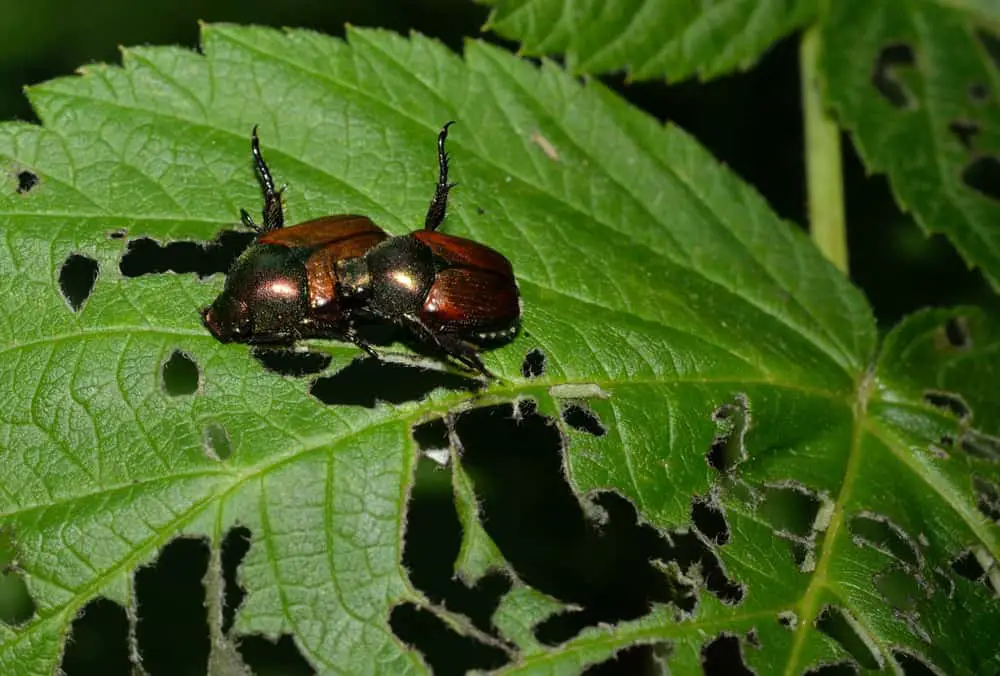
(439, 205)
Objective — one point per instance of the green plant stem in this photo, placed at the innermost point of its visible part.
(824, 172)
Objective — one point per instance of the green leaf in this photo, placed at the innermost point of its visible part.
(671, 304)
(916, 82)
(650, 39)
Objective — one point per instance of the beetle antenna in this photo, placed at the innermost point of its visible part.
(439, 205)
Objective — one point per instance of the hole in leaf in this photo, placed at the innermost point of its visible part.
(216, 440)
(964, 131)
(879, 532)
(432, 543)
(16, 604)
(753, 639)
(581, 417)
(982, 446)
(145, 256)
(613, 569)
(534, 364)
(26, 181)
(235, 546)
(732, 421)
(956, 331)
(788, 619)
(846, 631)
(987, 498)
(723, 656)
(835, 669)
(431, 435)
(991, 44)
(899, 588)
(975, 564)
(637, 660)
(264, 656)
(913, 665)
(709, 520)
(446, 651)
(173, 628)
(978, 92)
(120, 233)
(180, 375)
(892, 59)
(948, 401)
(291, 363)
(98, 641)
(790, 508)
(983, 175)
(77, 278)
(365, 382)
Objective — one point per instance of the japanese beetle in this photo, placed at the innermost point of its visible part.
(327, 277)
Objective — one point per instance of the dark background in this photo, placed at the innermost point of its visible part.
(750, 121)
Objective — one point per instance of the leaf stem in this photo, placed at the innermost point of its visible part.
(824, 172)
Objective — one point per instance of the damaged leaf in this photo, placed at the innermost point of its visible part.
(661, 288)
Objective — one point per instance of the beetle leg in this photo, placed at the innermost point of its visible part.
(352, 336)
(248, 221)
(439, 205)
(273, 216)
(451, 345)
(465, 353)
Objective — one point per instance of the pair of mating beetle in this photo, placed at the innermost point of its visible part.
(328, 277)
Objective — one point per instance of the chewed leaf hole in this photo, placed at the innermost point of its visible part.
(17, 607)
(365, 382)
(171, 600)
(216, 440)
(180, 375)
(26, 181)
(977, 565)
(991, 45)
(879, 532)
(723, 656)
(629, 565)
(432, 545)
(709, 520)
(446, 651)
(982, 174)
(790, 508)
(964, 131)
(956, 332)
(732, 421)
(265, 656)
(788, 619)
(98, 641)
(892, 60)
(899, 588)
(77, 278)
(582, 418)
(235, 546)
(638, 659)
(914, 666)
(431, 435)
(948, 401)
(982, 446)
(846, 631)
(145, 256)
(987, 498)
(292, 363)
(534, 364)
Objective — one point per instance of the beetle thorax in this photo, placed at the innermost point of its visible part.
(401, 271)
